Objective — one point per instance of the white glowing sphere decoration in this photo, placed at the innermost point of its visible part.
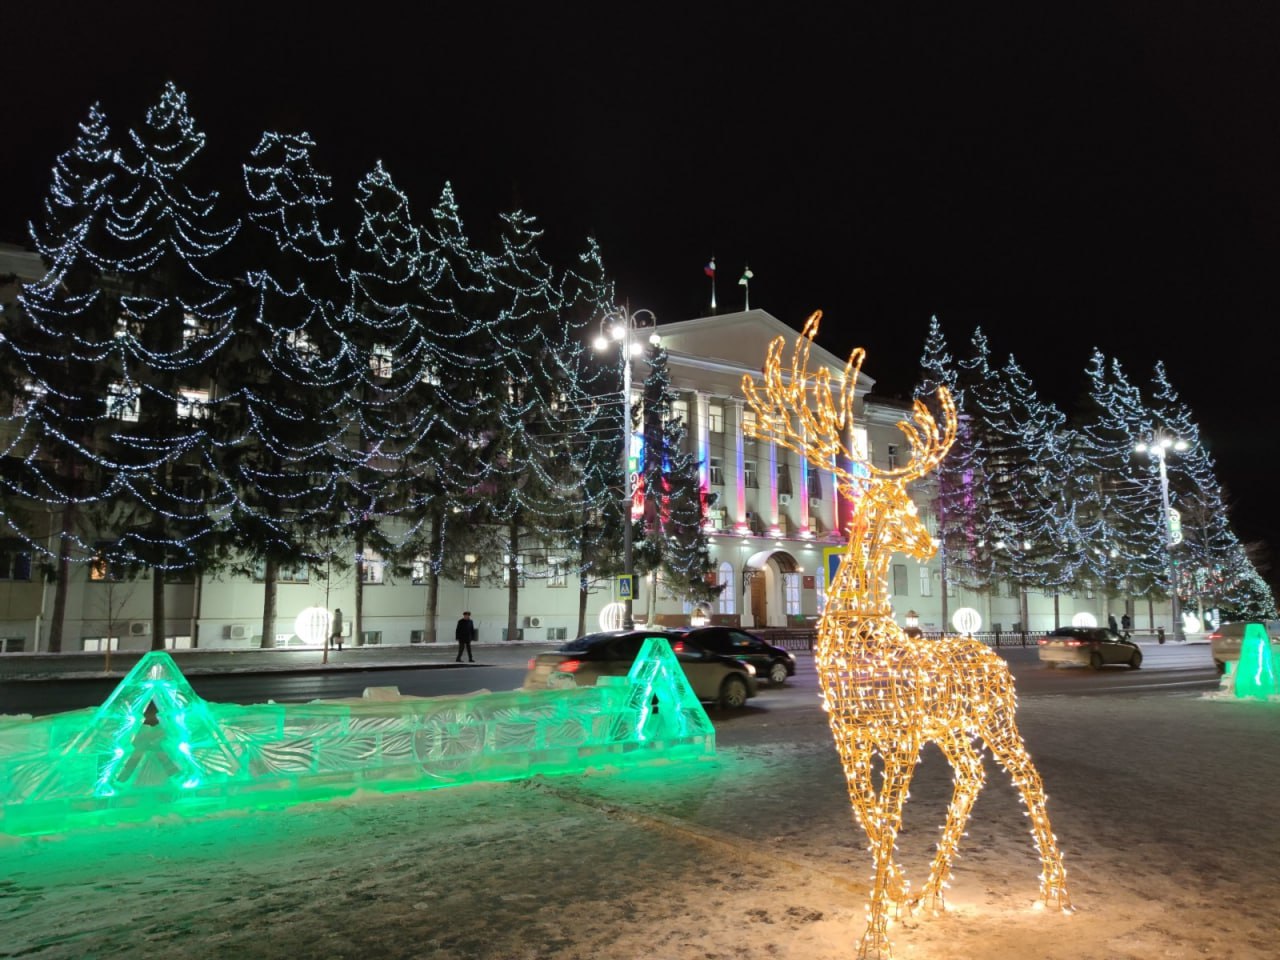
(1084, 619)
(1191, 623)
(967, 620)
(312, 625)
(613, 616)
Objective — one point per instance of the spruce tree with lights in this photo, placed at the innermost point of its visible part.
(385, 335)
(538, 352)
(1117, 499)
(59, 354)
(285, 412)
(597, 431)
(173, 323)
(446, 511)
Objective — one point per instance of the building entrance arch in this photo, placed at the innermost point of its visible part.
(763, 588)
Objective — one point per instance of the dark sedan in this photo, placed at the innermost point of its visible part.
(772, 663)
(1089, 646)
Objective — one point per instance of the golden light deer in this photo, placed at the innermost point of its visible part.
(888, 694)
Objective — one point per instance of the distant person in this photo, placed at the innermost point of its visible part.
(1125, 624)
(464, 634)
(1111, 622)
(335, 631)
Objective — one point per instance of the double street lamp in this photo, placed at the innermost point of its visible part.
(1158, 447)
(619, 327)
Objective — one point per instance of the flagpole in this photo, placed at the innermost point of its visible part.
(745, 283)
(710, 271)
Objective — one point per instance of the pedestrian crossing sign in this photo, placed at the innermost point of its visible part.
(626, 585)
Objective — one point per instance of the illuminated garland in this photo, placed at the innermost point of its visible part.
(888, 694)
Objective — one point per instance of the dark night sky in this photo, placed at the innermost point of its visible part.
(1065, 179)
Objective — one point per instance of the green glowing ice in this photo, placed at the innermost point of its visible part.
(1255, 676)
(156, 748)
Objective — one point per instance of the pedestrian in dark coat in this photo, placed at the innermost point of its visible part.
(464, 634)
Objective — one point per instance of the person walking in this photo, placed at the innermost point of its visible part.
(335, 631)
(1125, 624)
(1111, 622)
(464, 634)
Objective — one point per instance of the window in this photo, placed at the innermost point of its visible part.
(303, 347)
(284, 574)
(749, 474)
(91, 644)
(748, 423)
(30, 394)
(926, 582)
(471, 570)
(193, 328)
(899, 579)
(193, 404)
(891, 454)
(419, 575)
(715, 417)
(12, 644)
(716, 470)
(815, 485)
(123, 402)
(100, 567)
(15, 560)
(1088, 590)
(1011, 588)
(791, 590)
(784, 479)
(726, 600)
(680, 410)
(506, 570)
(380, 361)
(557, 633)
(374, 567)
(556, 573)
(952, 590)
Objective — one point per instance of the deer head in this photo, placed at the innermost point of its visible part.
(797, 409)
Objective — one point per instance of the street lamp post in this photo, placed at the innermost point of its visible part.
(1159, 447)
(619, 326)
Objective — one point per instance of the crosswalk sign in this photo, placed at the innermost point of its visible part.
(626, 584)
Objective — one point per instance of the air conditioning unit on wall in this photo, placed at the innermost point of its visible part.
(784, 499)
(139, 628)
(532, 622)
(235, 631)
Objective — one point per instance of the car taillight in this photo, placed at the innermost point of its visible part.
(568, 666)
(1214, 636)
(1076, 643)
(533, 662)
(678, 647)
(1042, 641)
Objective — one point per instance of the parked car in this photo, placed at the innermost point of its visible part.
(721, 680)
(1225, 641)
(770, 662)
(1088, 646)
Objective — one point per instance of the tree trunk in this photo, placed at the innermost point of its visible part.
(357, 623)
(62, 583)
(157, 608)
(432, 574)
(270, 581)
(513, 578)
(582, 606)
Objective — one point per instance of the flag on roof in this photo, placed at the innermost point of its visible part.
(746, 275)
(710, 268)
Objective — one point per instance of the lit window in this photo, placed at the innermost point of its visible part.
(556, 573)
(715, 418)
(303, 346)
(791, 587)
(100, 567)
(31, 394)
(419, 576)
(748, 423)
(471, 571)
(193, 404)
(374, 567)
(123, 402)
(926, 582)
(506, 570)
(726, 600)
(193, 328)
(680, 410)
(380, 362)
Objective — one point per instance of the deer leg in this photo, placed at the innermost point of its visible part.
(969, 776)
(882, 818)
(1007, 747)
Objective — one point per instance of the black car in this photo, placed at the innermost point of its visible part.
(724, 681)
(770, 662)
(1090, 647)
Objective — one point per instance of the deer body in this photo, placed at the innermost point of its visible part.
(888, 694)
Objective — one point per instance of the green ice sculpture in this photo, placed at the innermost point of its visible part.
(1255, 674)
(156, 748)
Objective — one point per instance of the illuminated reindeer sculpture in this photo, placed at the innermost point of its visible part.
(886, 693)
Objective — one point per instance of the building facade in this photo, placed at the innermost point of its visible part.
(774, 531)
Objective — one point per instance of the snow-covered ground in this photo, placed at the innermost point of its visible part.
(1165, 804)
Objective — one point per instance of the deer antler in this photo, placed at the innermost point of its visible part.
(817, 431)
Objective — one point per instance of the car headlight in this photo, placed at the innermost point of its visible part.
(750, 669)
